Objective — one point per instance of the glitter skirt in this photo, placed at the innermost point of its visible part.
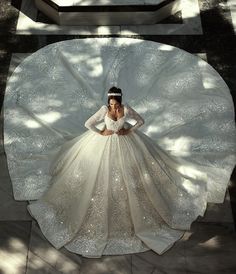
(118, 194)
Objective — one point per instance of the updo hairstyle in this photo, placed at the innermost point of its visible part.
(115, 97)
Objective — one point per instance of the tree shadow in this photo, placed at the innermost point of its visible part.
(217, 56)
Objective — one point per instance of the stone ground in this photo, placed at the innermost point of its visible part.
(204, 27)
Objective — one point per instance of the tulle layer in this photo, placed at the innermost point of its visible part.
(116, 195)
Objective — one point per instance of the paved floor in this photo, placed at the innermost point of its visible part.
(206, 28)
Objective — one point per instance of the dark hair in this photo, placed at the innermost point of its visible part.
(117, 98)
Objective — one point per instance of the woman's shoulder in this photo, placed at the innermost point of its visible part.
(104, 107)
(126, 106)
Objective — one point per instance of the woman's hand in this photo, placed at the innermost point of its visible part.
(123, 131)
(106, 132)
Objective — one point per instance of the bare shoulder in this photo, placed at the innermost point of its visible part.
(124, 106)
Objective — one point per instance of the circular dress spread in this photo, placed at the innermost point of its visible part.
(117, 194)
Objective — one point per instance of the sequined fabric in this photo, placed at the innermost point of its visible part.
(117, 194)
(120, 205)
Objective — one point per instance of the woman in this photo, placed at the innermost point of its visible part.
(114, 191)
(115, 111)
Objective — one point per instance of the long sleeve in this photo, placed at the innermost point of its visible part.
(95, 118)
(134, 115)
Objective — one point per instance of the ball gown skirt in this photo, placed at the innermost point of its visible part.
(106, 195)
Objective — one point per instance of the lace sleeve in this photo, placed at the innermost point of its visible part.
(134, 115)
(95, 118)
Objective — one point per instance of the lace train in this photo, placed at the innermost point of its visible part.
(117, 194)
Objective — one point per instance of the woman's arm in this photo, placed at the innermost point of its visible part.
(95, 118)
(134, 115)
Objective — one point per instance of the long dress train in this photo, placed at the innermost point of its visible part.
(98, 195)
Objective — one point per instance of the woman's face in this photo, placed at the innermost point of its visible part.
(114, 104)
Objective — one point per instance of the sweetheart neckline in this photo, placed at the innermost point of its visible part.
(115, 120)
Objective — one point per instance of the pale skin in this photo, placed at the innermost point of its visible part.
(116, 112)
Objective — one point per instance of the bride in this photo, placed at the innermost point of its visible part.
(115, 191)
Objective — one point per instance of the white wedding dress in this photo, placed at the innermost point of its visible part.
(102, 195)
(117, 194)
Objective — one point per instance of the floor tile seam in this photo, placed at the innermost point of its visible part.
(15, 221)
(38, 255)
(212, 223)
(46, 262)
(29, 241)
(6, 192)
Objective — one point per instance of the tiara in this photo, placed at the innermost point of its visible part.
(115, 94)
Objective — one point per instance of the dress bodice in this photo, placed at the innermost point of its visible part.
(111, 124)
(114, 125)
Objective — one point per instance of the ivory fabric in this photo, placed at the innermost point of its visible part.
(97, 195)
